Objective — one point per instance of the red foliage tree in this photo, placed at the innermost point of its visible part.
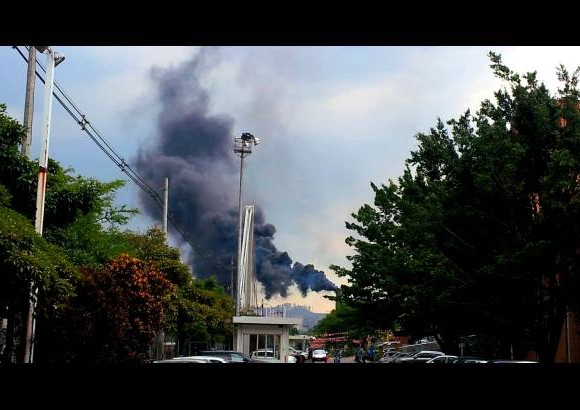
(119, 311)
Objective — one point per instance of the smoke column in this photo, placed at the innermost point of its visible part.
(195, 150)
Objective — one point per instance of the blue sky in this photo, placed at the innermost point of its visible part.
(331, 120)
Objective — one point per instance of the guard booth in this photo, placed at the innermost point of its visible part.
(259, 333)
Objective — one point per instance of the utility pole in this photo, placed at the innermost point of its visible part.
(52, 60)
(232, 268)
(160, 339)
(165, 204)
(29, 101)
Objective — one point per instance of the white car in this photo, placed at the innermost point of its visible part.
(297, 354)
(319, 355)
(193, 359)
(421, 356)
(443, 359)
(264, 356)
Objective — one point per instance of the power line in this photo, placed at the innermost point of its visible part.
(74, 111)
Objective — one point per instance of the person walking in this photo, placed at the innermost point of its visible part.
(337, 353)
(358, 355)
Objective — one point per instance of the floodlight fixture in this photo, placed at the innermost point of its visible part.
(58, 58)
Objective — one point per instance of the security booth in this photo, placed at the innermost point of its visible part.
(266, 335)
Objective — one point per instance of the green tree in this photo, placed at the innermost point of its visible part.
(201, 312)
(480, 235)
(152, 247)
(343, 318)
(25, 259)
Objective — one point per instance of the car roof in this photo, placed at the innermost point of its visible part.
(220, 351)
(430, 352)
(193, 359)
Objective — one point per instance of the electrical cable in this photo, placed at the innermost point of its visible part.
(119, 161)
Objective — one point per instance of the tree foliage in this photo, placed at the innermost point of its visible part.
(118, 311)
(198, 310)
(343, 318)
(201, 312)
(103, 291)
(480, 234)
(30, 269)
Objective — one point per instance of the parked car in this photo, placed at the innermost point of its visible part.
(389, 355)
(230, 355)
(394, 357)
(443, 359)
(421, 356)
(470, 359)
(264, 356)
(502, 361)
(299, 356)
(319, 355)
(193, 359)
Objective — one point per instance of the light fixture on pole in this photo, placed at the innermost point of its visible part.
(243, 148)
(52, 60)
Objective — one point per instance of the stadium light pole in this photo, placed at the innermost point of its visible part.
(52, 60)
(243, 148)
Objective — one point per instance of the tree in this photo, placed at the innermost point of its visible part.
(201, 312)
(25, 259)
(343, 318)
(117, 312)
(198, 310)
(480, 235)
(152, 247)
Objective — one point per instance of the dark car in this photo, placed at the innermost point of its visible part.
(470, 359)
(230, 355)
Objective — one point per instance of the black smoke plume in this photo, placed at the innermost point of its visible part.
(195, 150)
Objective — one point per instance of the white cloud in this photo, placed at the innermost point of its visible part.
(133, 58)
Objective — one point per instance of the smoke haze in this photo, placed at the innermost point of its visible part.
(195, 150)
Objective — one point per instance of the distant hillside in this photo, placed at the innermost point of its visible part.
(309, 318)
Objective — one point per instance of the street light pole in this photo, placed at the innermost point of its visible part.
(242, 147)
(52, 60)
(239, 235)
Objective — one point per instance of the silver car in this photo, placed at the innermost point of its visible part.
(319, 355)
(193, 359)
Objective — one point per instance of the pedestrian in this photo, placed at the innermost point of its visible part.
(372, 353)
(358, 355)
(337, 353)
